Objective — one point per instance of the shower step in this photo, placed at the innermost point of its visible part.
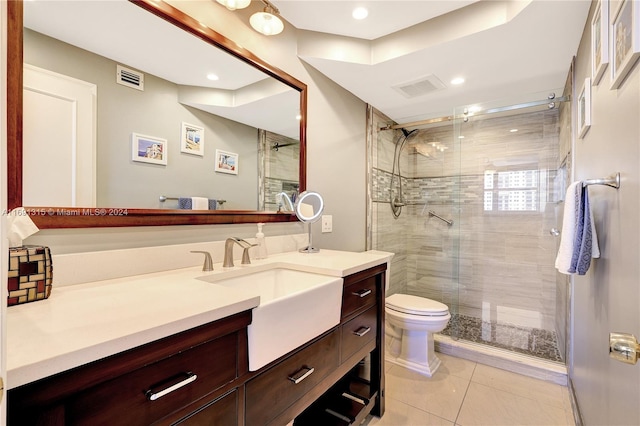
(549, 371)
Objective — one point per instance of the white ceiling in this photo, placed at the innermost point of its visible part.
(507, 51)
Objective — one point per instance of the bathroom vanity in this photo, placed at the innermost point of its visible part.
(200, 375)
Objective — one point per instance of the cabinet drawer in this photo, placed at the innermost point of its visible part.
(357, 295)
(156, 390)
(359, 331)
(273, 391)
(222, 411)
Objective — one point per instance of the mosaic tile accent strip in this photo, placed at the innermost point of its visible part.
(30, 274)
(528, 341)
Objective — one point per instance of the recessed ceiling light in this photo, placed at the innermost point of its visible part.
(212, 77)
(513, 130)
(360, 13)
(456, 81)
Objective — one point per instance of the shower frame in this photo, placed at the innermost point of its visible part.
(457, 117)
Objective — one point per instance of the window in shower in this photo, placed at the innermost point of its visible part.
(514, 190)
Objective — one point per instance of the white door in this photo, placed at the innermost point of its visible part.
(59, 122)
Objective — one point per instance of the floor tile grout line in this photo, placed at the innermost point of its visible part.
(455, 422)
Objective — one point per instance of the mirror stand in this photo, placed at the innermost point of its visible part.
(310, 248)
(308, 208)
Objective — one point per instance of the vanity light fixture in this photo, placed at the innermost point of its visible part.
(234, 4)
(267, 22)
(360, 13)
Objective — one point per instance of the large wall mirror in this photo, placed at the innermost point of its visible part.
(115, 119)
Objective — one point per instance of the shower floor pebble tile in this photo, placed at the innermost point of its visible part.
(465, 393)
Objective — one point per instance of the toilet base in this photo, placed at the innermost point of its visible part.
(412, 349)
(424, 369)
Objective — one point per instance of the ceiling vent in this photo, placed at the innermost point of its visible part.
(419, 87)
(130, 78)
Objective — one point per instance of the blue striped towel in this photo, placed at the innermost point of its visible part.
(186, 203)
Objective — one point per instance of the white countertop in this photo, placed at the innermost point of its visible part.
(82, 323)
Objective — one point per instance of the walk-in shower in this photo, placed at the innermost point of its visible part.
(473, 198)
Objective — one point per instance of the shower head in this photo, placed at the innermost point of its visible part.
(406, 133)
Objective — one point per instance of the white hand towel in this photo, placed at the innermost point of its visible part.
(19, 226)
(199, 203)
(565, 251)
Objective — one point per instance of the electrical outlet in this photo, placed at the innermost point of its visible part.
(327, 223)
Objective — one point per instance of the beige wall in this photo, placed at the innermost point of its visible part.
(607, 298)
(335, 152)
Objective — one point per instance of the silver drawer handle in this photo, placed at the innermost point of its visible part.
(298, 377)
(362, 331)
(362, 293)
(152, 396)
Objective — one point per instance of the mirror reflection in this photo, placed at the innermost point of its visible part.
(155, 132)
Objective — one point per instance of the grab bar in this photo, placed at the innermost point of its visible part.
(448, 222)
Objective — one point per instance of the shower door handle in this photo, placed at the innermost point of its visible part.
(555, 232)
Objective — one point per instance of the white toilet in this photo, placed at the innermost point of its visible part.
(409, 327)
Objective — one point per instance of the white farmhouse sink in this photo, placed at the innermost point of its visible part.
(294, 308)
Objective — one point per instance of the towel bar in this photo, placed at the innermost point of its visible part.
(164, 198)
(612, 181)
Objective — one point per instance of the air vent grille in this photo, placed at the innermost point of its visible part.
(130, 78)
(420, 87)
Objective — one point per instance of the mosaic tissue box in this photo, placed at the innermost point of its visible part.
(30, 274)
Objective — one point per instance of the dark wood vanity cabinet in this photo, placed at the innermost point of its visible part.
(134, 387)
(338, 378)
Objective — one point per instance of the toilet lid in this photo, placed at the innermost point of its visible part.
(416, 305)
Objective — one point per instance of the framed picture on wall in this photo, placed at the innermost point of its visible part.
(625, 41)
(226, 162)
(584, 108)
(599, 41)
(192, 139)
(148, 149)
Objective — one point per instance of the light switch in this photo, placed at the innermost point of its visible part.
(327, 223)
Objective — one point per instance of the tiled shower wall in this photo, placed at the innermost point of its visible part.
(281, 162)
(501, 268)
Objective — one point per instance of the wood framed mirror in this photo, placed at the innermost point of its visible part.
(120, 215)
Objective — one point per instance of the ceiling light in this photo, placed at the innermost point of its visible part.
(456, 81)
(213, 77)
(360, 13)
(267, 22)
(234, 4)
(513, 130)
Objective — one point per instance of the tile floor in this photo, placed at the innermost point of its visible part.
(465, 393)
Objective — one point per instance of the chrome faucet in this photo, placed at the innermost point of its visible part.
(228, 251)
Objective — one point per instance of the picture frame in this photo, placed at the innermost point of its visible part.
(625, 41)
(226, 162)
(192, 139)
(148, 149)
(584, 108)
(599, 41)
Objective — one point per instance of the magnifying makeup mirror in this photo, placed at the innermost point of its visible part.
(308, 207)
